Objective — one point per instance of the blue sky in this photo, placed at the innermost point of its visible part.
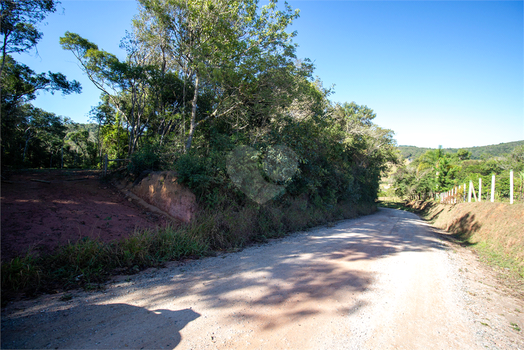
(435, 72)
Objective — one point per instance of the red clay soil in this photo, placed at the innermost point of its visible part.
(65, 206)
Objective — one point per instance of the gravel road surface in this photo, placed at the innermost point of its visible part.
(383, 281)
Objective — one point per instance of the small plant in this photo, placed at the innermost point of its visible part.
(66, 297)
(515, 326)
(21, 273)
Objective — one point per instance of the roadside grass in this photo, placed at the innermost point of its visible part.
(493, 230)
(492, 253)
(395, 203)
(88, 263)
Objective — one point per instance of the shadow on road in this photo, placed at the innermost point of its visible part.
(294, 278)
(112, 326)
(302, 271)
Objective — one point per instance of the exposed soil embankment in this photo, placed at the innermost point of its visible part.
(161, 190)
(43, 209)
(496, 229)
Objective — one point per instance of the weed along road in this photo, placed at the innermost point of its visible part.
(377, 282)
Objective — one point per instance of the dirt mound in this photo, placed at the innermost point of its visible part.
(161, 190)
(42, 209)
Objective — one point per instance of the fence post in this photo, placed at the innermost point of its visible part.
(492, 188)
(480, 190)
(464, 192)
(511, 187)
(105, 165)
(469, 193)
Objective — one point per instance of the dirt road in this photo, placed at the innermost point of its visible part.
(377, 282)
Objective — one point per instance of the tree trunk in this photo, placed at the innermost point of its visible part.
(25, 147)
(3, 56)
(132, 122)
(192, 126)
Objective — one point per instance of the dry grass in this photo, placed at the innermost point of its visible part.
(496, 230)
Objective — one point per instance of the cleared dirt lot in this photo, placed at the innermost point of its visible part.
(64, 206)
(381, 281)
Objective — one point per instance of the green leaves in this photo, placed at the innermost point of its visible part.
(19, 19)
(74, 42)
(98, 64)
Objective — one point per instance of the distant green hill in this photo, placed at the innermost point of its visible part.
(412, 152)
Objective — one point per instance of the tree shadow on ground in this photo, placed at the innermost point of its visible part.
(112, 326)
(464, 228)
(305, 269)
(319, 272)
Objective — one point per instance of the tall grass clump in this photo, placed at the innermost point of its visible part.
(154, 247)
(89, 262)
(21, 273)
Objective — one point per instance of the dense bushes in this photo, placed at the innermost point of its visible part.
(146, 158)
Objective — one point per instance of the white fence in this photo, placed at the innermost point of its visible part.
(458, 193)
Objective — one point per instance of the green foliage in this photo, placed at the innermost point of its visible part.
(114, 139)
(19, 20)
(30, 136)
(481, 152)
(195, 172)
(146, 158)
(436, 171)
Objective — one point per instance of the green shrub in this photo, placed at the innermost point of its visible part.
(194, 172)
(21, 273)
(146, 158)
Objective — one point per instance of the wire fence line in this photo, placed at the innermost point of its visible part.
(106, 162)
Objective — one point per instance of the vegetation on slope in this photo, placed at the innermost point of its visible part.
(494, 230)
(479, 152)
(436, 171)
(88, 263)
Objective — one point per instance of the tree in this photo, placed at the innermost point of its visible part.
(20, 85)
(43, 129)
(228, 47)
(19, 19)
(127, 84)
(463, 154)
(413, 184)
